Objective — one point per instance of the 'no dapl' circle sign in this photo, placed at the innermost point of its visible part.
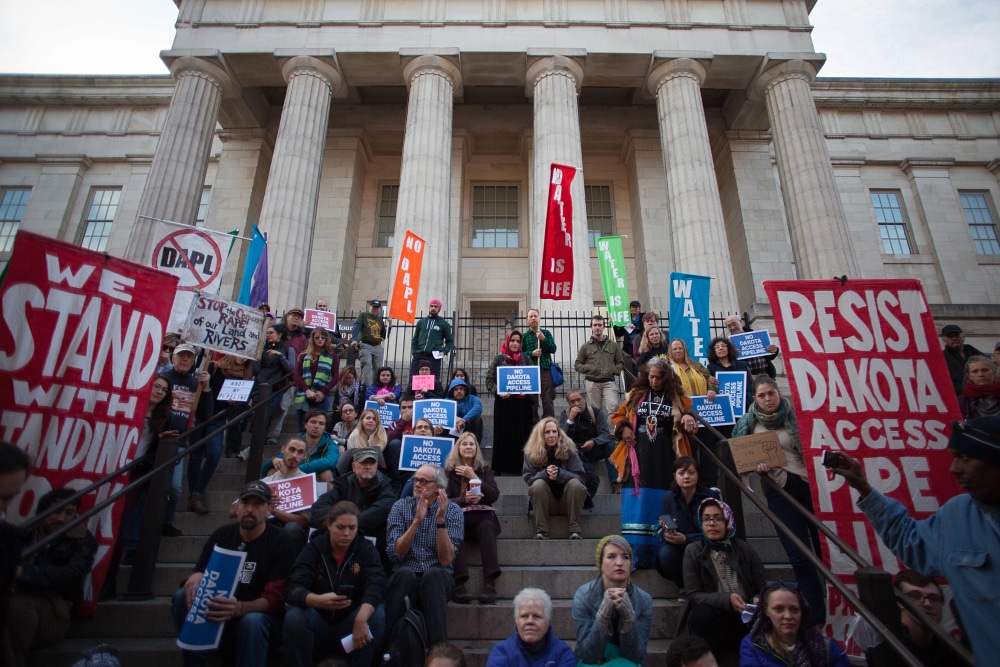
(191, 255)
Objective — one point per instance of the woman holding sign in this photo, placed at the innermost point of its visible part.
(723, 358)
(471, 486)
(512, 413)
(696, 381)
(315, 375)
(770, 412)
(652, 428)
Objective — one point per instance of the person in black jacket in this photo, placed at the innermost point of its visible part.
(680, 503)
(336, 589)
(49, 582)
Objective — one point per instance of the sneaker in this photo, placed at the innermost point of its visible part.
(169, 530)
(244, 453)
(541, 535)
(576, 535)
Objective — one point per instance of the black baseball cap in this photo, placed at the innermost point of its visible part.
(258, 489)
(950, 329)
(376, 303)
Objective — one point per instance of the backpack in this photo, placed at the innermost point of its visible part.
(407, 645)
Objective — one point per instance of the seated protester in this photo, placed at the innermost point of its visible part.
(721, 574)
(342, 430)
(611, 615)
(49, 583)
(322, 453)
(348, 392)
(462, 374)
(681, 503)
(445, 655)
(422, 427)
(423, 533)
(555, 477)
(690, 651)
(253, 615)
(780, 633)
(394, 433)
(384, 388)
(368, 433)
(426, 368)
(588, 428)
(293, 452)
(469, 410)
(364, 486)
(335, 590)
(533, 642)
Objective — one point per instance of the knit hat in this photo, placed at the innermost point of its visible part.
(436, 302)
(978, 438)
(616, 540)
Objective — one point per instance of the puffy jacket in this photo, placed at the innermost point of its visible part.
(512, 652)
(753, 655)
(316, 571)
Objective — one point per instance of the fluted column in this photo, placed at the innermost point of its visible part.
(424, 205)
(697, 227)
(554, 81)
(177, 175)
(817, 224)
(288, 213)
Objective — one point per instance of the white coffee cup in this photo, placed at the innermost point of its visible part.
(475, 486)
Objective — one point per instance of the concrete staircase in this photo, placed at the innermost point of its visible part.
(144, 635)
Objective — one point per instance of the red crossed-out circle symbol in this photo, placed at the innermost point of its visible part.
(190, 254)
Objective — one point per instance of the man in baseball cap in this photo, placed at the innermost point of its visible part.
(956, 353)
(367, 334)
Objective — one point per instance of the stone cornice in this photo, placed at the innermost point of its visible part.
(908, 94)
(104, 91)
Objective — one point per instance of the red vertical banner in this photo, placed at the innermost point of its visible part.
(868, 378)
(557, 253)
(79, 346)
(406, 282)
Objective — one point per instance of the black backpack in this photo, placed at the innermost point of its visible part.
(407, 646)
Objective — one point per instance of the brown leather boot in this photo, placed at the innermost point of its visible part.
(489, 594)
(197, 505)
(462, 595)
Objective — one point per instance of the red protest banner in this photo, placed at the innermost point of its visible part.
(867, 378)
(406, 284)
(295, 494)
(557, 253)
(78, 350)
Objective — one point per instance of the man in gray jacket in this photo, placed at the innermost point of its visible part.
(600, 361)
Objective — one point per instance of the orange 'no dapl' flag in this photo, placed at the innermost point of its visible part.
(406, 285)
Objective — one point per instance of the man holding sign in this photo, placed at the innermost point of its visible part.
(252, 613)
(296, 524)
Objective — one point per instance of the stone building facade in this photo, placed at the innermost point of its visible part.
(703, 136)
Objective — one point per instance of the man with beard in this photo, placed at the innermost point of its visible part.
(253, 614)
(289, 466)
(432, 340)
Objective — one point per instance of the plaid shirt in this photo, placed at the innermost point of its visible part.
(760, 365)
(423, 551)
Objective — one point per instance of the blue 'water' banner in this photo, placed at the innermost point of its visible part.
(418, 450)
(440, 411)
(735, 385)
(689, 314)
(198, 633)
(752, 343)
(717, 413)
(388, 413)
(519, 380)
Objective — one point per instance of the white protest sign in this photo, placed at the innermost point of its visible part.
(235, 390)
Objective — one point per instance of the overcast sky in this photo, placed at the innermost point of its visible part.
(868, 38)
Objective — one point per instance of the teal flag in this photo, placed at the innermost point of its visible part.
(257, 247)
(611, 259)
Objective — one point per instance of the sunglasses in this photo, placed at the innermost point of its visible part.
(777, 583)
(168, 348)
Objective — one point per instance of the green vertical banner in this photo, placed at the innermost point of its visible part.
(611, 259)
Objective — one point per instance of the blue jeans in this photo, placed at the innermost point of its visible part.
(670, 562)
(245, 640)
(808, 578)
(309, 637)
(176, 488)
(203, 462)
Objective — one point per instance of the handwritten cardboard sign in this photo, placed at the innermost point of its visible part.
(519, 380)
(295, 494)
(752, 343)
(320, 318)
(418, 450)
(235, 390)
(422, 382)
(440, 412)
(749, 451)
(224, 326)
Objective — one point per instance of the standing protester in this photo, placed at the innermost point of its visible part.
(230, 367)
(539, 346)
(653, 344)
(432, 340)
(295, 337)
(276, 361)
(512, 413)
(367, 335)
(956, 353)
(631, 335)
(758, 365)
(315, 375)
(599, 360)
(980, 396)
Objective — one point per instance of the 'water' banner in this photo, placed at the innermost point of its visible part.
(689, 314)
(557, 252)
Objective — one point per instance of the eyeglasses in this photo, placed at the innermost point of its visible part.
(933, 599)
(713, 519)
(777, 583)
(417, 481)
(168, 348)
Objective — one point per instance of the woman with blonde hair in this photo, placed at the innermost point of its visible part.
(653, 344)
(555, 477)
(368, 433)
(315, 373)
(472, 487)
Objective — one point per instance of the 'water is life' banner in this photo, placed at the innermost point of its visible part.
(557, 253)
(611, 259)
(79, 345)
(406, 283)
(689, 314)
(868, 378)
(220, 578)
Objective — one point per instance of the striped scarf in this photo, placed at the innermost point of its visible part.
(317, 379)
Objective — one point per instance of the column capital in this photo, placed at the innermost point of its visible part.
(542, 62)
(446, 62)
(667, 64)
(778, 67)
(208, 63)
(314, 62)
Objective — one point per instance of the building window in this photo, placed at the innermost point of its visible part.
(600, 222)
(11, 210)
(385, 226)
(891, 223)
(494, 216)
(981, 225)
(206, 195)
(100, 215)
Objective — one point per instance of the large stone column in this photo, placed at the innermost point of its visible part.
(817, 224)
(554, 80)
(424, 205)
(288, 213)
(177, 175)
(696, 223)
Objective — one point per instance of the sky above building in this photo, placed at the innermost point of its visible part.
(864, 38)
